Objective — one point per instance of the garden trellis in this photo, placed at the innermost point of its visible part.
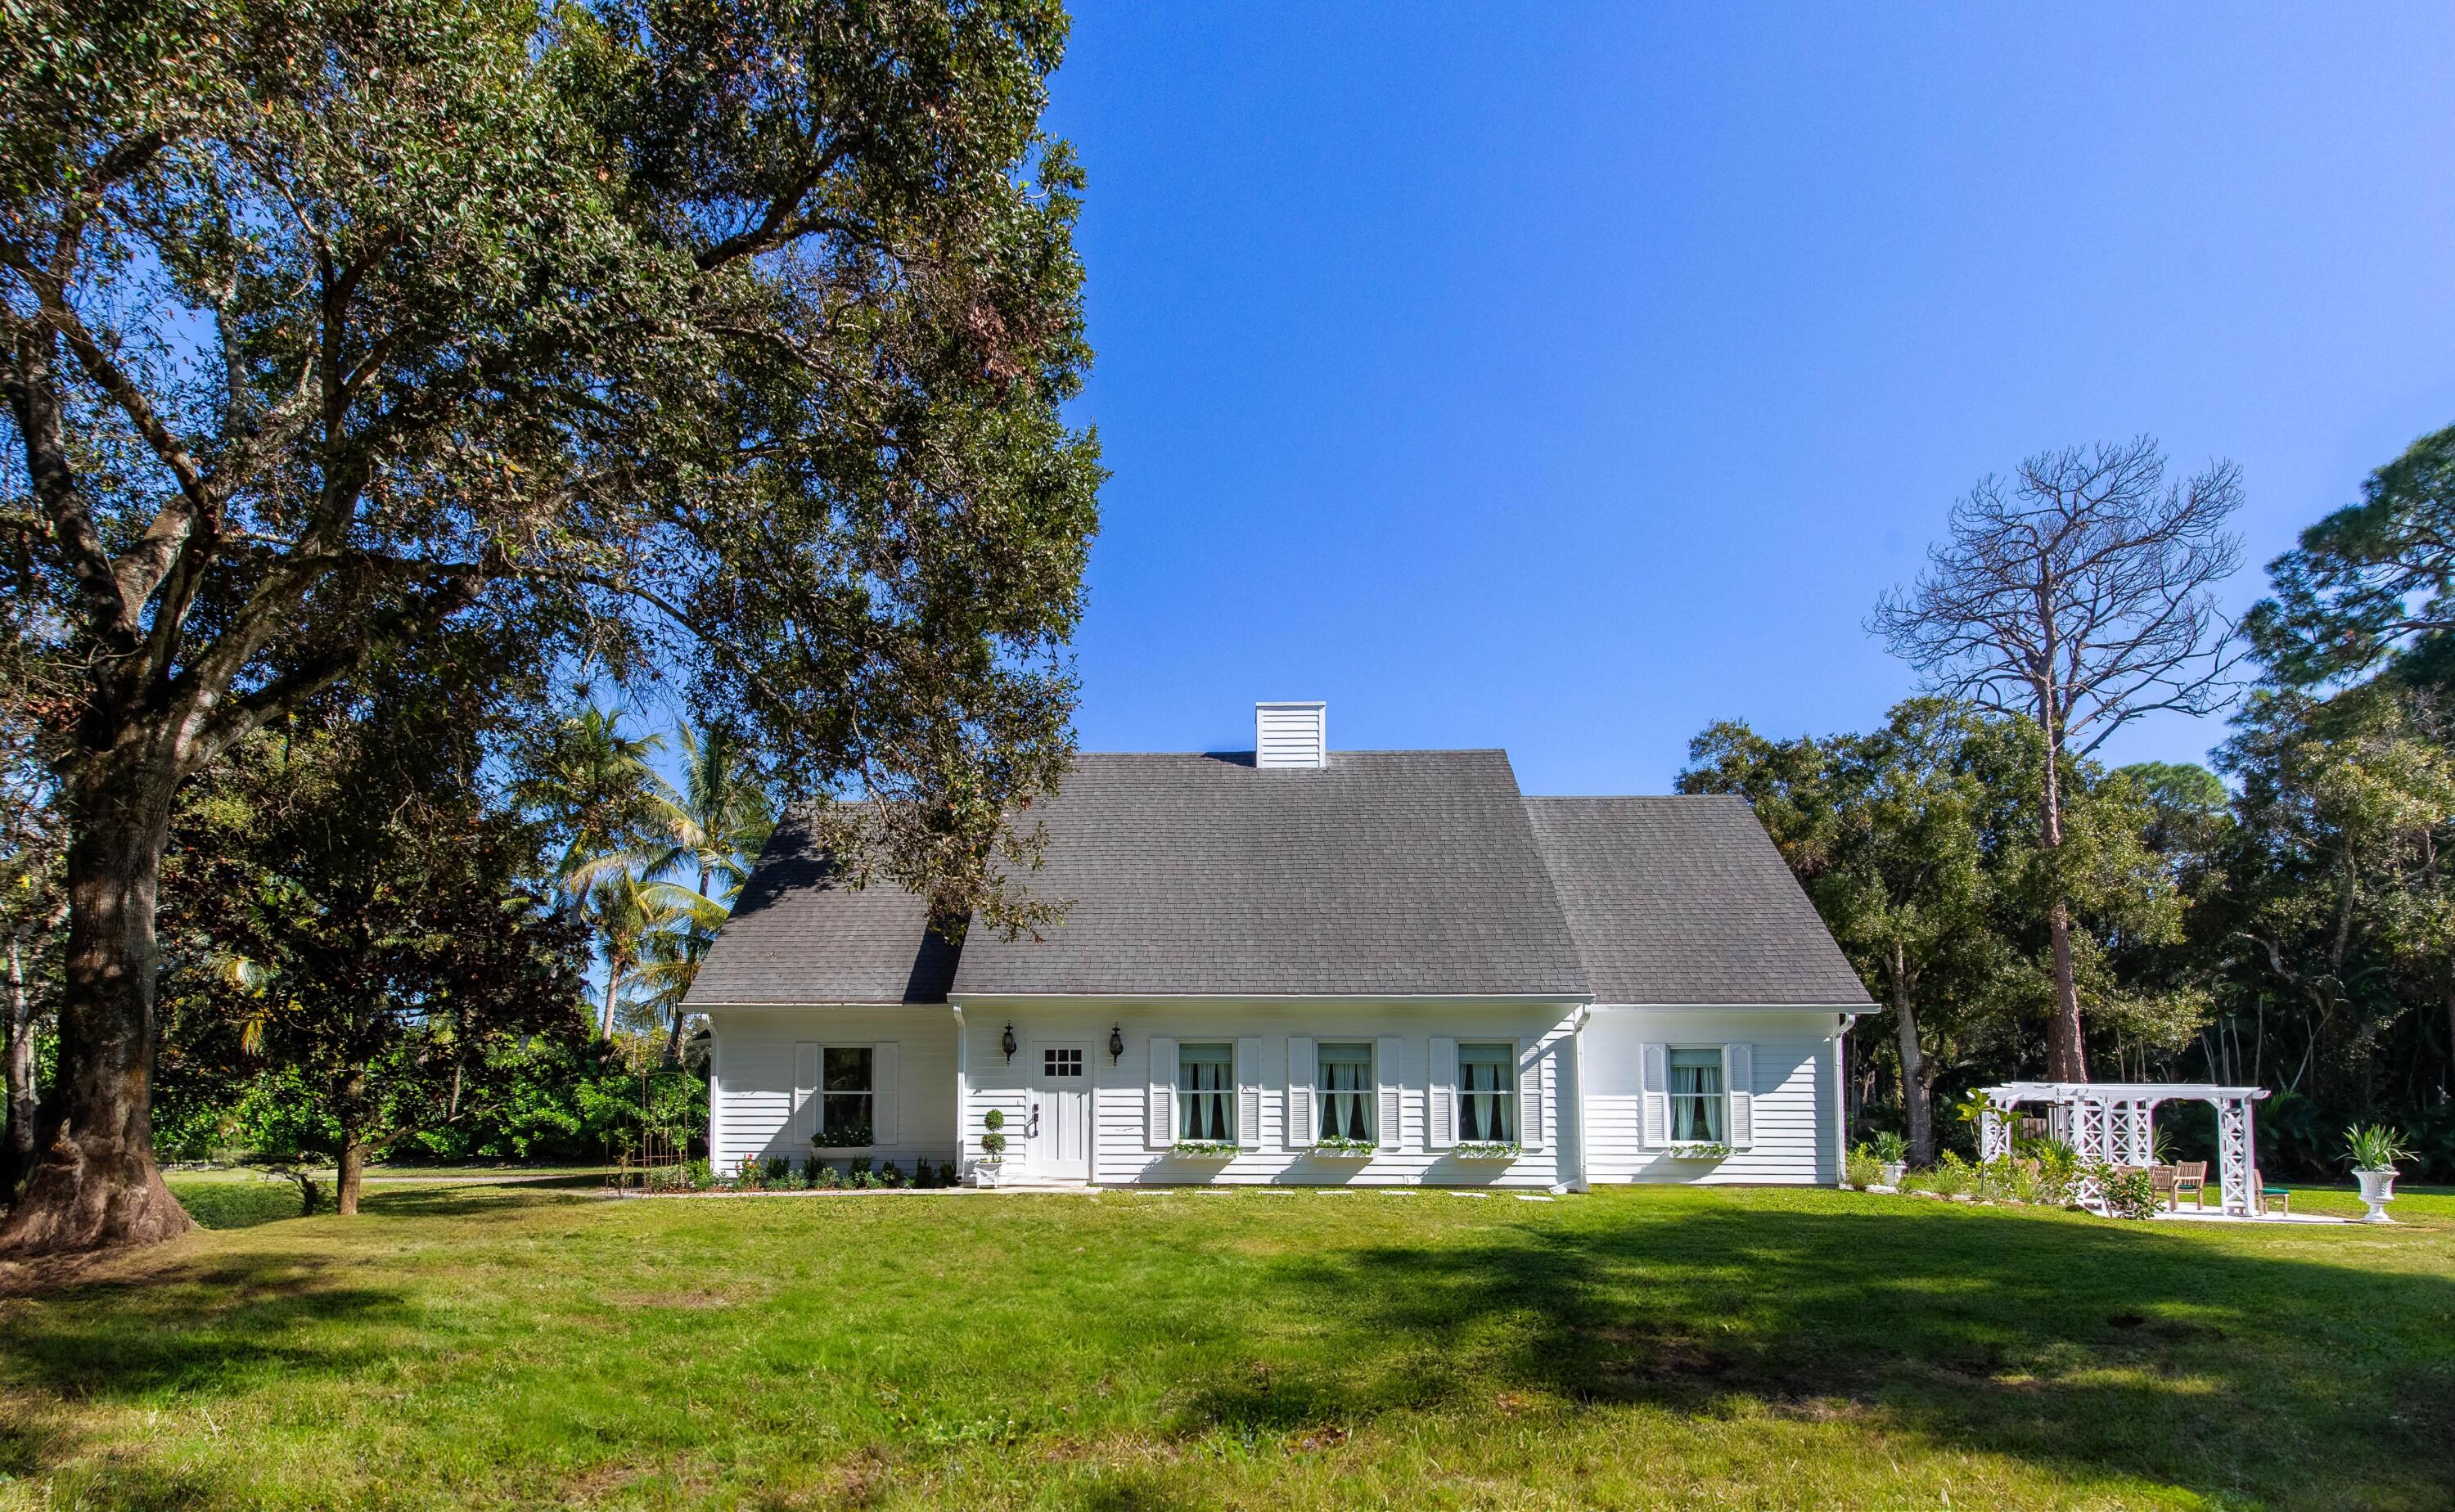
(2113, 1124)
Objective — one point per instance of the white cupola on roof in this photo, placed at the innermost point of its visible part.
(1290, 734)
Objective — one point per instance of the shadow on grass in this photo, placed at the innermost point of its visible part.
(2080, 1345)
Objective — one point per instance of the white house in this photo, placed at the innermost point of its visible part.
(1331, 967)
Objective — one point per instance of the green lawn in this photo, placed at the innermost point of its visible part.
(502, 1346)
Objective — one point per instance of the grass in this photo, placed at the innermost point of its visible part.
(478, 1346)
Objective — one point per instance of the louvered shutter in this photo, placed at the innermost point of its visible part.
(805, 1091)
(1248, 1093)
(1740, 1084)
(886, 1079)
(1440, 1099)
(1654, 1063)
(1388, 1127)
(1529, 1093)
(1160, 1130)
(1301, 1071)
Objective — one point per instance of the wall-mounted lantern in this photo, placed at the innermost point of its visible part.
(1006, 1042)
(1116, 1042)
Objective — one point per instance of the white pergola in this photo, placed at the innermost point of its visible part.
(2113, 1123)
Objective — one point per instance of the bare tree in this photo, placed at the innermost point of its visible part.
(2078, 593)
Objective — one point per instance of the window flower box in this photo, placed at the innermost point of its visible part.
(1205, 1149)
(1700, 1152)
(1339, 1147)
(1499, 1150)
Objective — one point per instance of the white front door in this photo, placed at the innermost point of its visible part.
(1061, 1114)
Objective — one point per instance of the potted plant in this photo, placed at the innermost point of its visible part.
(991, 1165)
(1339, 1147)
(1893, 1153)
(2375, 1150)
(1501, 1150)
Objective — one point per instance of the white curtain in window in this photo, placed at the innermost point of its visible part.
(1347, 1092)
(1485, 1095)
(1205, 1093)
(1696, 1096)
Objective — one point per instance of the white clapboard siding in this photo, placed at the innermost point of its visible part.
(765, 1095)
(1277, 1041)
(1789, 1085)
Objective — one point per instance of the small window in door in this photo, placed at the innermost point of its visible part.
(1061, 1063)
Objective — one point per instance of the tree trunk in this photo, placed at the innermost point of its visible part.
(1918, 1082)
(605, 1019)
(94, 1184)
(674, 1039)
(17, 1048)
(353, 1174)
(2066, 1057)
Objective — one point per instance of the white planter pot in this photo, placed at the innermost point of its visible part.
(988, 1173)
(2378, 1190)
(1895, 1173)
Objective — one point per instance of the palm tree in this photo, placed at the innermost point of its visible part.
(715, 825)
(629, 919)
(597, 784)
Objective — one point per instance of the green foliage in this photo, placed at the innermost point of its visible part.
(1862, 1168)
(1204, 1149)
(2370, 584)
(2127, 1193)
(1889, 1148)
(2376, 1147)
(1342, 1147)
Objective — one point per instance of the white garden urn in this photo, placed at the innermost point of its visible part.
(2378, 1190)
(1895, 1173)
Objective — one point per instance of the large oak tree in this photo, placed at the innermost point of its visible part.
(721, 336)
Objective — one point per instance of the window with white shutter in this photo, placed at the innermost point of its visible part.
(1249, 1092)
(1301, 1070)
(1441, 1094)
(1529, 1093)
(1738, 1078)
(1655, 1085)
(1159, 1130)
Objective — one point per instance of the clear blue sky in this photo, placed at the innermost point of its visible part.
(1563, 379)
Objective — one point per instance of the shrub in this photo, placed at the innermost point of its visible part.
(2127, 1194)
(890, 1175)
(1950, 1176)
(830, 1178)
(945, 1173)
(862, 1178)
(1888, 1148)
(1860, 1169)
(779, 1167)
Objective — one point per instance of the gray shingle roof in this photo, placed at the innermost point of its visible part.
(798, 936)
(1403, 871)
(1388, 872)
(1685, 901)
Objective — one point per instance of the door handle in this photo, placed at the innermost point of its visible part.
(1033, 1132)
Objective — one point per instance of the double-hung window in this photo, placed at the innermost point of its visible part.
(1347, 1092)
(1487, 1092)
(1696, 1096)
(847, 1097)
(1206, 1092)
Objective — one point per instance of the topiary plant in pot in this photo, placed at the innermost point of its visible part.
(991, 1165)
(2375, 1150)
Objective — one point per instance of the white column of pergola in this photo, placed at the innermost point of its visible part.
(2113, 1124)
